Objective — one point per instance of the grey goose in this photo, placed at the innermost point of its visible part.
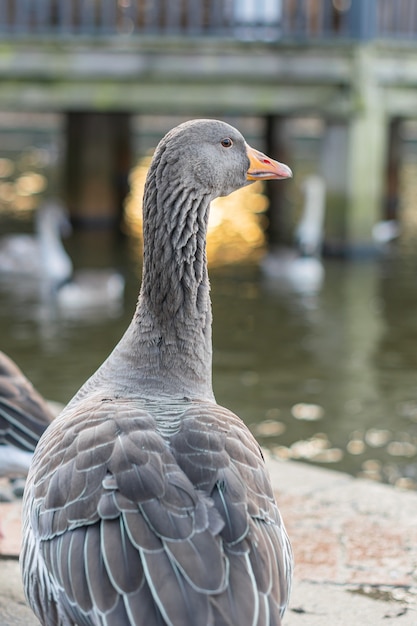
(147, 503)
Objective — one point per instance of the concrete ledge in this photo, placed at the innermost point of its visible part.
(355, 546)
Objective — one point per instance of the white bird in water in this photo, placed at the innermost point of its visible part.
(384, 233)
(43, 259)
(300, 268)
(41, 256)
(91, 290)
(147, 503)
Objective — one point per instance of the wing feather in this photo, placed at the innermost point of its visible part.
(201, 562)
(146, 530)
(103, 593)
(77, 574)
(178, 602)
(24, 414)
(142, 609)
(122, 559)
(240, 601)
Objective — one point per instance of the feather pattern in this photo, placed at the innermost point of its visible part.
(24, 414)
(147, 503)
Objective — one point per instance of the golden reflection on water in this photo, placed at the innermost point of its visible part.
(408, 216)
(20, 185)
(235, 231)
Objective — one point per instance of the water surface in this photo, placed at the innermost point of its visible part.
(328, 378)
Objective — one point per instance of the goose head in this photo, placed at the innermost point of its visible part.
(212, 158)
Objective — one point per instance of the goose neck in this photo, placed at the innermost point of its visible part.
(172, 323)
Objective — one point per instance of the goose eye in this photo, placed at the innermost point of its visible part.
(227, 142)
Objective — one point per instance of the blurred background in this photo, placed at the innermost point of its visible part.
(314, 280)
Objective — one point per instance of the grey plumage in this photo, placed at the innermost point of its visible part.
(24, 416)
(147, 503)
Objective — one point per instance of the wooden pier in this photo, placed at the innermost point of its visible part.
(351, 62)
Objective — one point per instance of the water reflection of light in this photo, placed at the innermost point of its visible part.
(7, 192)
(235, 227)
(21, 194)
(356, 446)
(315, 449)
(268, 428)
(30, 183)
(6, 167)
(376, 437)
(308, 412)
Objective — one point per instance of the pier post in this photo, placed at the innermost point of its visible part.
(277, 146)
(392, 185)
(333, 166)
(98, 158)
(367, 145)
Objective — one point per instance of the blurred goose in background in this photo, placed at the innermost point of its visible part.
(41, 256)
(148, 503)
(24, 415)
(91, 289)
(384, 233)
(300, 268)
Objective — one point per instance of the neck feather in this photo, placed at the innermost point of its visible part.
(171, 330)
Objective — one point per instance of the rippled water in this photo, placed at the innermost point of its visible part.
(330, 379)
(344, 361)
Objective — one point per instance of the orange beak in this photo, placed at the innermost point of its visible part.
(263, 168)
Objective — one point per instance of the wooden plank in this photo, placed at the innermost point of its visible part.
(174, 60)
(165, 61)
(200, 98)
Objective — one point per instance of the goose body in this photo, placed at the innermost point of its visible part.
(24, 416)
(147, 503)
(300, 268)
